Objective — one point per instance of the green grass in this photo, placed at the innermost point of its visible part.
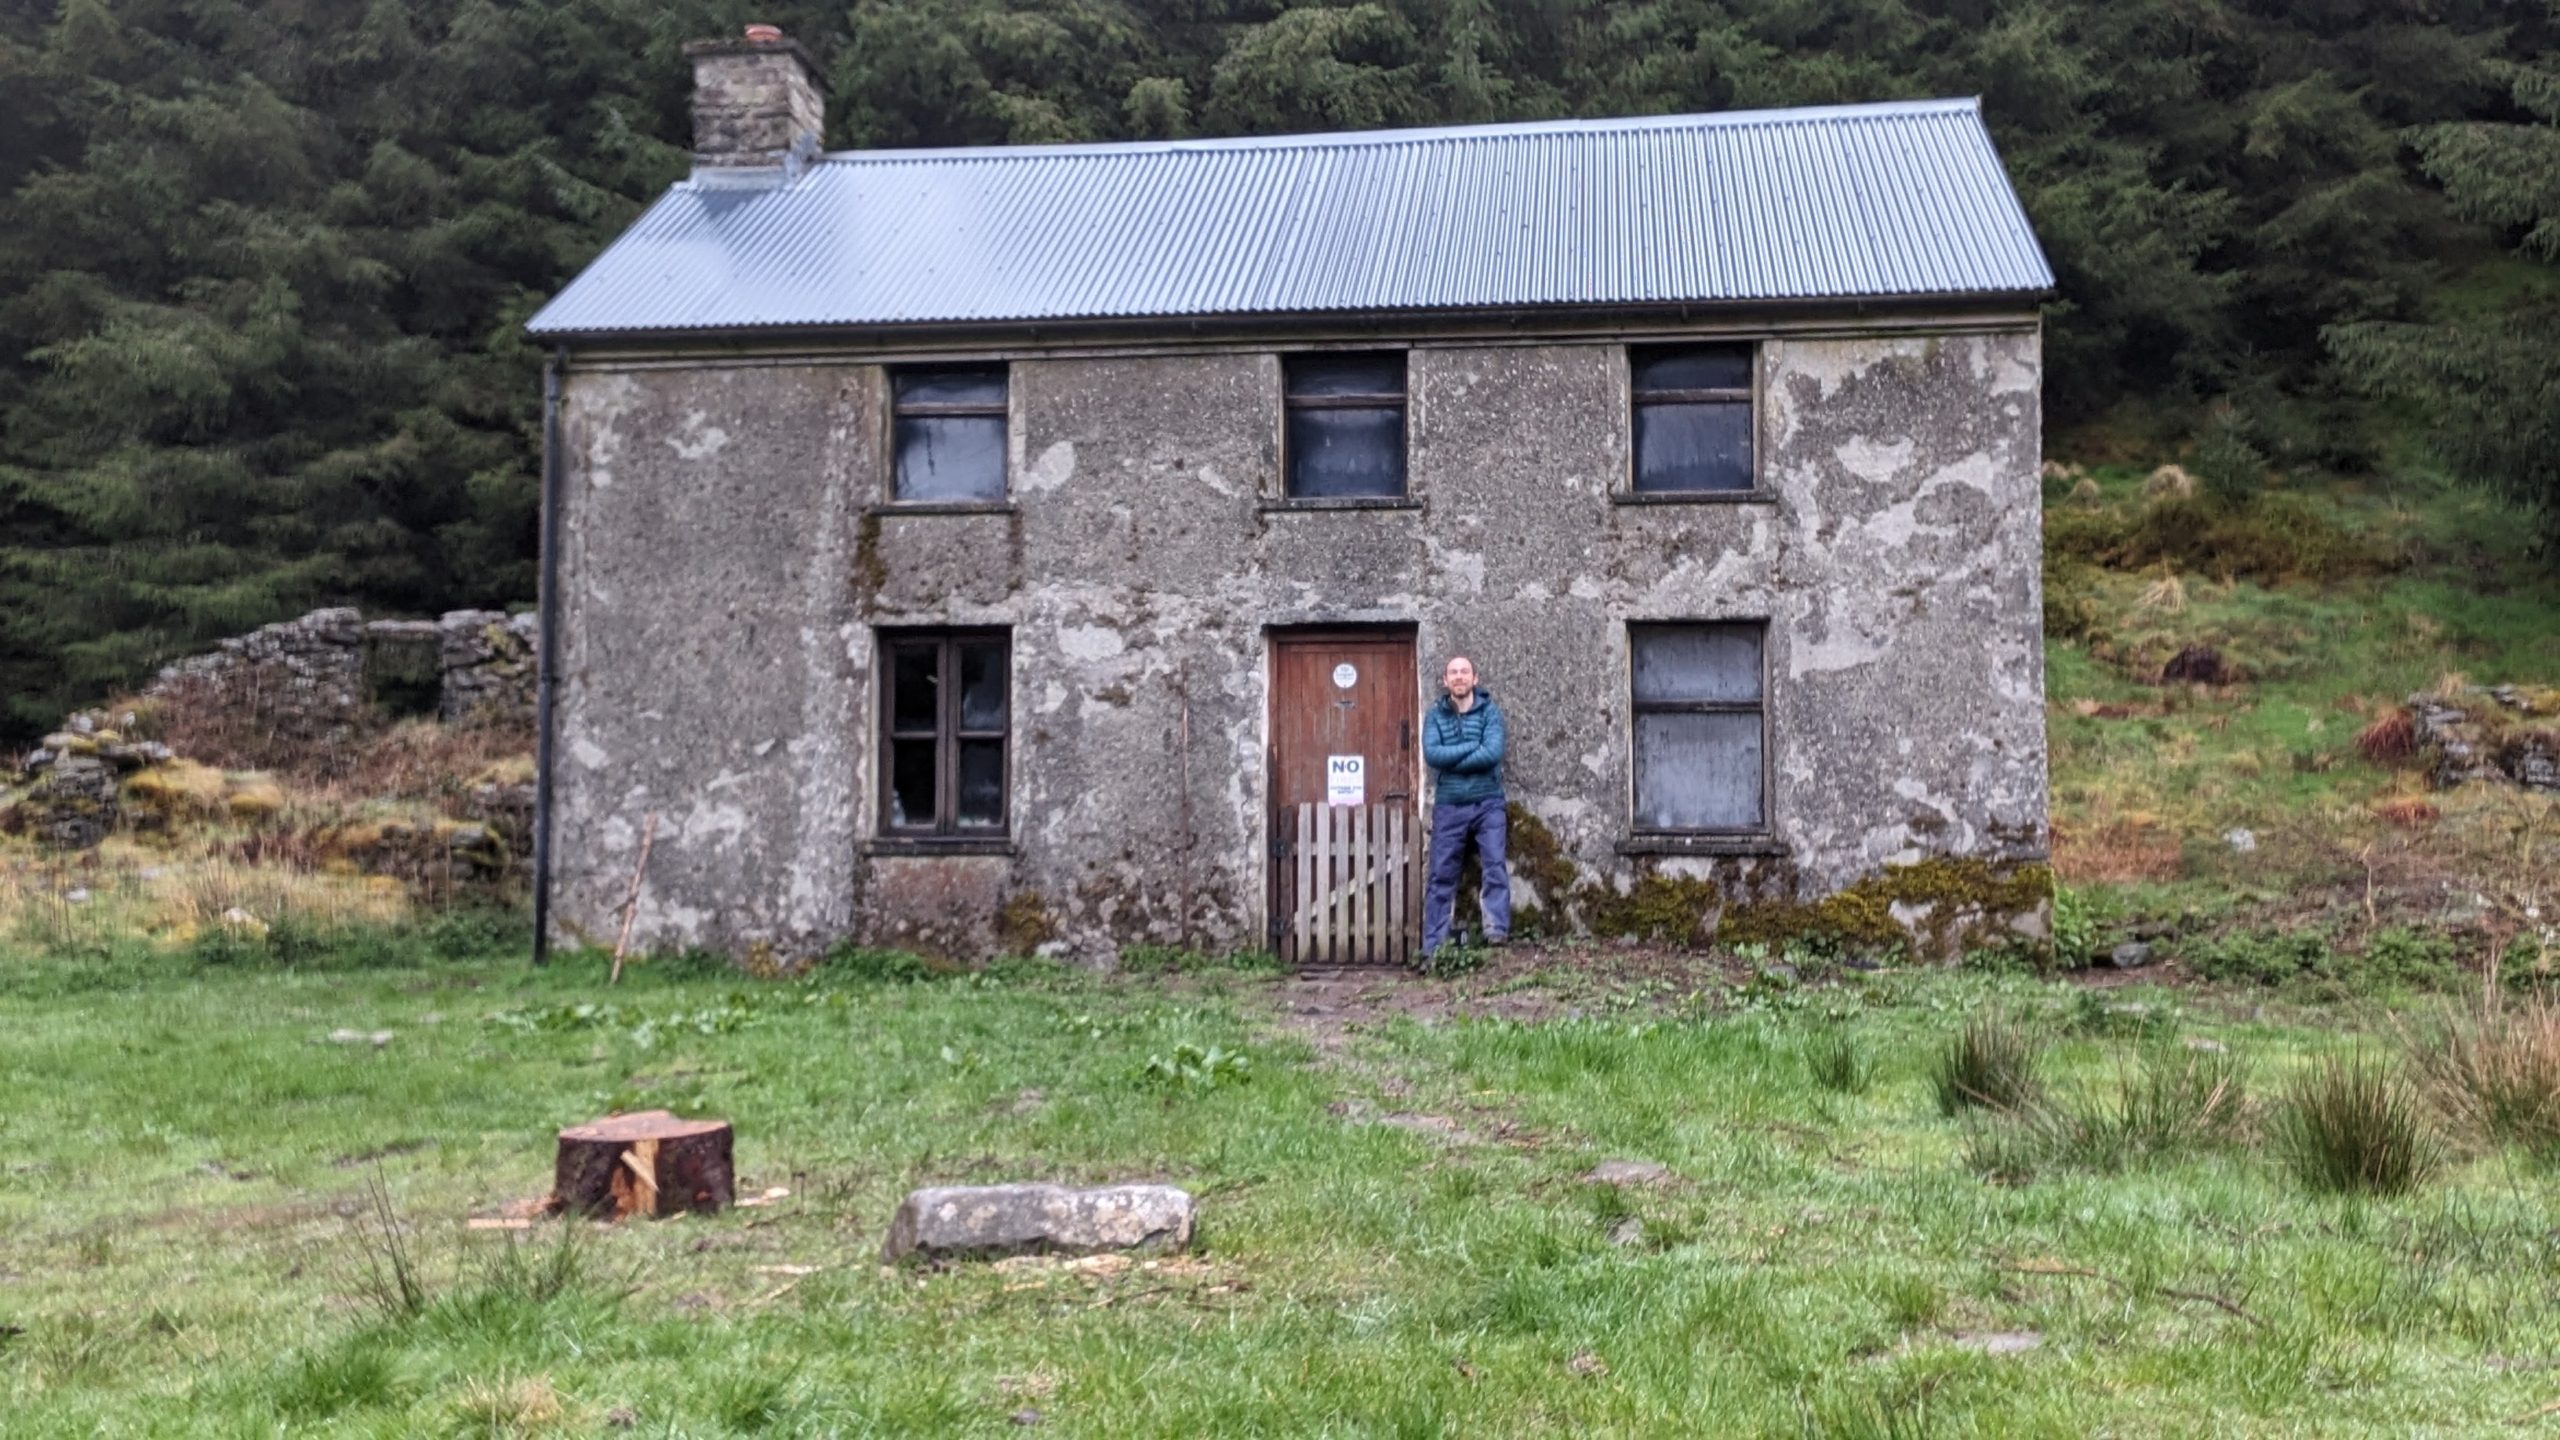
(186, 1165)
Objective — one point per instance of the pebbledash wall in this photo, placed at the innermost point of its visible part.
(726, 562)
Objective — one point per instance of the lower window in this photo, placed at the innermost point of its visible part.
(1700, 728)
(945, 720)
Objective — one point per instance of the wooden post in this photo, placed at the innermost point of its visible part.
(631, 906)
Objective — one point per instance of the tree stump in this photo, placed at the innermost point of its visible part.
(647, 1163)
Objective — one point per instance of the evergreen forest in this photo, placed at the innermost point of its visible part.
(264, 263)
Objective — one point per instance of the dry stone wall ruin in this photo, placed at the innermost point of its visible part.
(299, 688)
(332, 672)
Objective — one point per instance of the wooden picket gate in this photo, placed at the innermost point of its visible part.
(1349, 885)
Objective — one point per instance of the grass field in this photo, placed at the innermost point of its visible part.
(1395, 1237)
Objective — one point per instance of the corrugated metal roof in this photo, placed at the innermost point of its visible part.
(1844, 202)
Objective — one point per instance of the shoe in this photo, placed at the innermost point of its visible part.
(1497, 941)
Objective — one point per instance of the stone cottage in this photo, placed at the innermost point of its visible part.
(1052, 548)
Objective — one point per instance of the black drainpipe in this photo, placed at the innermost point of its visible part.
(546, 652)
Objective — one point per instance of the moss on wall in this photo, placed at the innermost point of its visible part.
(1678, 908)
(1024, 924)
(1941, 907)
(870, 572)
(1963, 903)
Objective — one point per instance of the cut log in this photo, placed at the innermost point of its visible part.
(647, 1163)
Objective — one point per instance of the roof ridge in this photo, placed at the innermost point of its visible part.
(1363, 139)
(1900, 201)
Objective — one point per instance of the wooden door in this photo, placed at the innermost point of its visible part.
(1346, 843)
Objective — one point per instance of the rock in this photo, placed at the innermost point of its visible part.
(2205, 1045)
(242, 921)
(968, 1222)
(1627, 1233)
(2242, 839)
(1628, 1172)
(2131, 955)
(2002, 1342)
(376, 1038)
(1025, 1416)
(2535, 764)
(76, 895)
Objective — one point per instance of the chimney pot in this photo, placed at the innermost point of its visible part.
(756, 102)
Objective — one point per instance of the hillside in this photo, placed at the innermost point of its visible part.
(2271, 791)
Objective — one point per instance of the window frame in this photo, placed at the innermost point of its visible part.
(892, 410)
(1753, 837)
(1288, 498)
(1752, 396)
(945, 829)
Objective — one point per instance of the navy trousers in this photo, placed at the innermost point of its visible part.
(1483, 824)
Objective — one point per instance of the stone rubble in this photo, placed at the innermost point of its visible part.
(2469, 746)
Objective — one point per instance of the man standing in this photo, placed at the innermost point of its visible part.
(1462, 743)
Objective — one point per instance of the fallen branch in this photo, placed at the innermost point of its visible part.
(2530, 1416)
(631, 905)
(1118, 1296)
(2222, 1303)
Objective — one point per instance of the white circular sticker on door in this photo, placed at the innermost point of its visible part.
(1344, 676)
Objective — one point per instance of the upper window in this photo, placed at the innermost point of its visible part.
(1699, 737)
(949, 432)
(945, 724)
(1346, 426)
(1693, 418)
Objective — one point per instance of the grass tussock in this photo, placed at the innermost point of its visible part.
(2354, 1126)
(502, 1408)
(2390, 739)
(2174, 1103)
(2497, 1072)
(1989, 1065)
(1837, 1061)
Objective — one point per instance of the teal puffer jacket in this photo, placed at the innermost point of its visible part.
(1464, 750)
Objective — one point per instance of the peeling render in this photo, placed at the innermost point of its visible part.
(727, 562)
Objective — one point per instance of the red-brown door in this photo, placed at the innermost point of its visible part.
(1345, 834)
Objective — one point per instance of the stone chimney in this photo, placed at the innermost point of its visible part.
(755, 101)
